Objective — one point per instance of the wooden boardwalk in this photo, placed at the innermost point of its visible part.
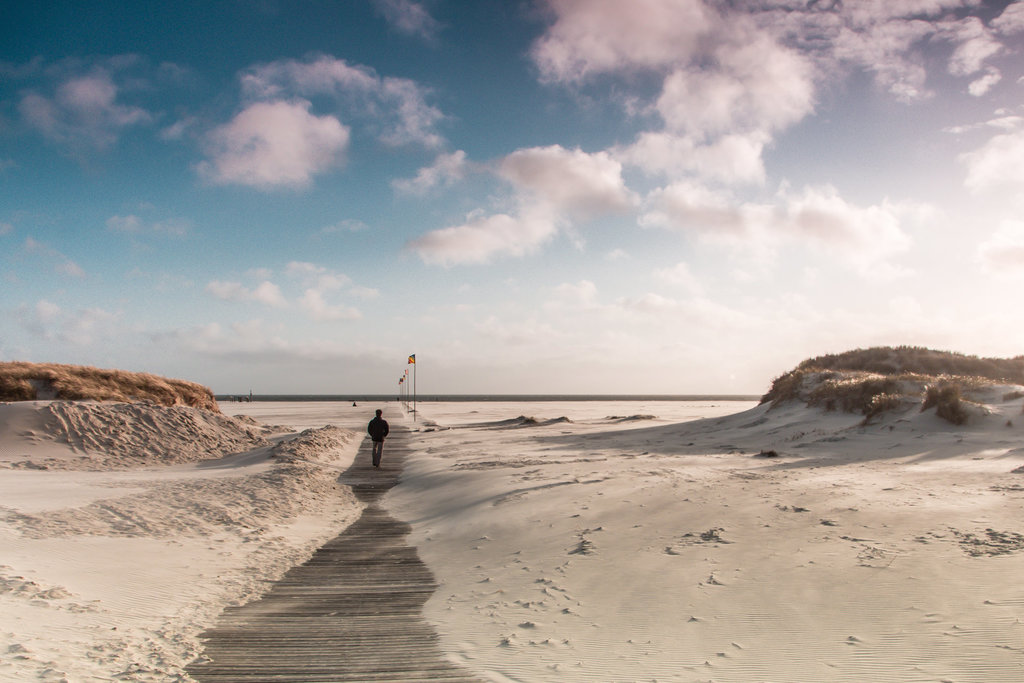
(351, 613)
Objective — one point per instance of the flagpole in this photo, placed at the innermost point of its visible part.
(412, 362)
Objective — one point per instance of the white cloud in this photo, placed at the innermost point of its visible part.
(997, 164)
(396, 107)
(569, 180)
(649, 303)
(364, 292)
(229, 291)
(681, 276)
(481, 238)
(898, 40)
(323, 75)
(982, 85)
(319, 277)
(598, 36)
(758, 85)
(731, 158)
(409, 17)
(552, 184)
(318, 282)
(727, 86)
(818, 217)
(274, 144)
(255, 339)
(312, 301)
(1011, 21)
(583, 294)
(38, 320)
(129, 223)
(61, 263)
(83, 112)
(868, 234)
(86, 326)
(686, 205)
(1006, 121)
(47, 310)
(722, 72)
(132, 224)
(266, 293)
(6, 228)
(49, 321)
(518, 333)
(1003, 253)
(446, 170)
(346, 225)
(414, 118)
(974, 45)
(178, 129)
(269, 294)
(70, 268)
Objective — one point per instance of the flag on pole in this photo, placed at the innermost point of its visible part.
(412, 360)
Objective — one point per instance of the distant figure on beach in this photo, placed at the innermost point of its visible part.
(377, 429)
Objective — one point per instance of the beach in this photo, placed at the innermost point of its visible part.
(570, 541)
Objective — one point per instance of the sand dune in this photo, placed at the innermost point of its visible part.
(576, 545)
(112, 573)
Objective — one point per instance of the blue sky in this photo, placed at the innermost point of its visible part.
(549, 196)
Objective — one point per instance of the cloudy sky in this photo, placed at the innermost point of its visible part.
(533, 196)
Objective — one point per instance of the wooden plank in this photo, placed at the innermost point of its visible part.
(353, 612)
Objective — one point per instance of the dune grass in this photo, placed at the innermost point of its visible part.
(946, 398)
(30, 381)
(898, 360)
(877, 380)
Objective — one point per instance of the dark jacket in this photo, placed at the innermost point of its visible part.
(377, 429)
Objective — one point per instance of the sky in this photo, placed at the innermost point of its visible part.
(532, 196)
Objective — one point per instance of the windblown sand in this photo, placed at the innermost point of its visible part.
(578, 541)
(614, 549)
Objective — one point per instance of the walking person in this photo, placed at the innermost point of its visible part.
(377, 429)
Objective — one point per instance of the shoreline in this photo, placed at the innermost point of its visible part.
(482, 398)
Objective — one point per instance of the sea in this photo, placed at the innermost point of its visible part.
(479, 398)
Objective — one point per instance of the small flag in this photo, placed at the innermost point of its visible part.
(412, 360)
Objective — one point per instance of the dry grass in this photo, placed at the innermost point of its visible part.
(853, 392)
(897, 360)
(946, 398)
(31, 381)
(874, 381)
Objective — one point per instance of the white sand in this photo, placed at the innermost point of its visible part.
(612, 547)
(112, 562)
(618, 551)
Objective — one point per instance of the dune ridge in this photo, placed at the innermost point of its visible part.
(127, 528)
(880, 379)
(21, 381)
(86, 435)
